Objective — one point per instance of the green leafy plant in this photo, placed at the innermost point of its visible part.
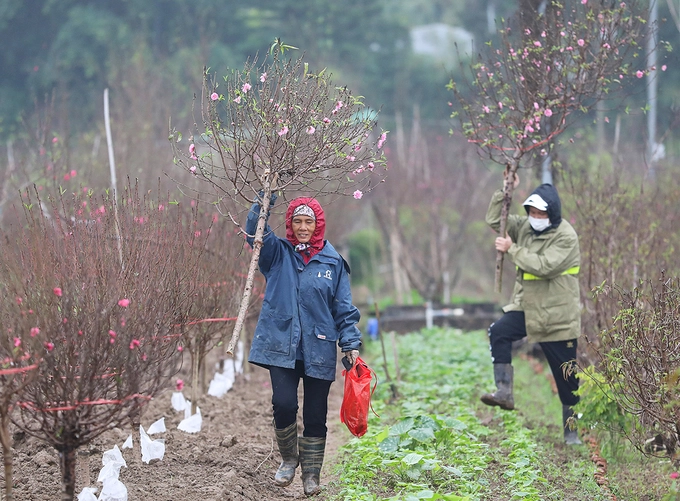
(598, 409)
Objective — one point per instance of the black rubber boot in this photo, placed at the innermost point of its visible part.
(311, 459)
(569, 425)
(502, 397)
(287, 440)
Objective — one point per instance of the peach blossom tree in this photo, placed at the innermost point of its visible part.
(219, 278)
(101, 315)
(545, 74)
(277, 126)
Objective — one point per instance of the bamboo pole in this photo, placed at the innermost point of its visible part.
(112, 170)
(393, 387)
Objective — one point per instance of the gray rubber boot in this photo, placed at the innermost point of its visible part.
(311, 459)
(569, 425)
(502, 397)
(287, 440)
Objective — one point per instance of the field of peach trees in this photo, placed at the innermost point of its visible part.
(103, 300)
(108, 304)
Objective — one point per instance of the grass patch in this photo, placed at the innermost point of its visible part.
(438, 442)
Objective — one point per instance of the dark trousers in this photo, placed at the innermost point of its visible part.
(511, 327)
(285, 399)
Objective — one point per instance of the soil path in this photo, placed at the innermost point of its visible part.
(232, 458)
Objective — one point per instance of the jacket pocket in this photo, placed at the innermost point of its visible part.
(274, 332)
(324, 346)
(554, 316)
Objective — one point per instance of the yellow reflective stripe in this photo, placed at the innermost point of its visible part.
(571, 271)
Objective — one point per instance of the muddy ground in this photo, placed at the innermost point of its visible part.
(232, 458)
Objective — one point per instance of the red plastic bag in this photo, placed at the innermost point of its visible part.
(357, 398)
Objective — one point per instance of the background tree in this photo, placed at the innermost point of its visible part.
(640, 362)
(17, 369)
(278, 126)
(425, 213)
(559, 66)
(218, 280)
(106, 332)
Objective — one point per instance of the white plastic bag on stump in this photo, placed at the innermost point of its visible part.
(221, 383)
(238, 360)
(179, 403)
(151, 449)
(113, 490)
(157, 427)
(87, 494)
(191, 424)
(113, 461)
(128, 443)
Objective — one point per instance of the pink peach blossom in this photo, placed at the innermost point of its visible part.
(49, 346)
(17, 342)
(124, 303)
(246, 87)
(35, 331)
(358, 194)
(134, 344)
(214, 96)
(263, 77)
(57, 291)
(179, 385)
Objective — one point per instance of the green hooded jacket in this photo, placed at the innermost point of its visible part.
(547, 262)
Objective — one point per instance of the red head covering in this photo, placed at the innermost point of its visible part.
(316, 242)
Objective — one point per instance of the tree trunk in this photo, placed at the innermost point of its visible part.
(6, 442)
(67, 463)
(257, 246)
(395, 256)
(508, 188)
(194, 379)
(202, 370)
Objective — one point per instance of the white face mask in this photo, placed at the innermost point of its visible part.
(539, 224)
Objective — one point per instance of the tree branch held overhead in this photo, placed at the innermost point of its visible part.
(276, 126)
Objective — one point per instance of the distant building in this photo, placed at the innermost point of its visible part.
(438, 41)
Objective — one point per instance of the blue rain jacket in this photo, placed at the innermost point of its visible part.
(307, 305)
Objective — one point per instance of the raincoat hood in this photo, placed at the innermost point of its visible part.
(317, 241)
(554, 209)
